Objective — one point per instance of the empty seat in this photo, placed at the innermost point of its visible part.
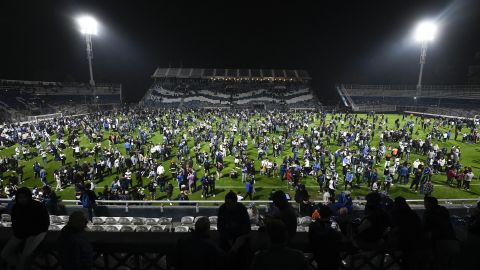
(213, 219)
(138, 221)
(142, 228)
(111, 228)
(110, 221)
(187, 220)
(302, 229)
(6, 218)
(96, 228)
(55, 220)
(254, 228)
(64, 219)
(304, 221)
(127, 228)
(98, 220)
(165, 221)
(124, 221)
(151, 221)
(182, 229)
(213, 228)
(54, 228)
(158, 228)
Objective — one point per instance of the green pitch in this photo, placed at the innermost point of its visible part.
(470, 156)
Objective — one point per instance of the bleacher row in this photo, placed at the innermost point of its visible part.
(30, 98)
(142, 224)
(206, 97)
(222, 72)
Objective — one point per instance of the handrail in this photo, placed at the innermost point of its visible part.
(221, 201)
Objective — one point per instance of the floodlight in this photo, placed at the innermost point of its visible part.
(425, 31)
(88, 25)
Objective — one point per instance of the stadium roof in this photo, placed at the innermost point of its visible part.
(229, 73)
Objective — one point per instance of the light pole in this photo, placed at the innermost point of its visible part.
(424, 33)
(88, 27)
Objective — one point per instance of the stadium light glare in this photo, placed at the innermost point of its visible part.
(425, 31)
(88, 25)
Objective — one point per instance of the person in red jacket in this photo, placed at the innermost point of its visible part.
(451, 174)
(30, 221)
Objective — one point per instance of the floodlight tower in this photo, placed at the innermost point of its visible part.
(88, 27)
(424, 33)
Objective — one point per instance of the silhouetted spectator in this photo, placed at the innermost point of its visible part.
(50, 200)
(474, 226)
(325, 242)
(30, 223)
(197, 250)
(372, 228)
(76, 252)
(88, 199)
(440, 233)
(407, 233)
(278, 256)
(283, 210)
(233, 220)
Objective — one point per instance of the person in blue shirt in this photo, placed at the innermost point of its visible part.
(127, 146)
(211, 182)
(348, 179)
(249, 189)
(403, 174)
(283, 170)
(180, 180)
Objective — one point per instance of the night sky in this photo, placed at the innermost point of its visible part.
(337, 41)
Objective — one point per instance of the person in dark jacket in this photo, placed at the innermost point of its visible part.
(76, 252)
(197, 250)
(233, 221)
(440, 233)
(283, 210)
(371, 230)
(324, 241)
(407, 233)
(50, 200)
(88, 199)
(30, 221)
(278, 256)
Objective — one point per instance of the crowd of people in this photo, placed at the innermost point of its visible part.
(341, 152)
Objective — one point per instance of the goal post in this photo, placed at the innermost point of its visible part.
(43, 117)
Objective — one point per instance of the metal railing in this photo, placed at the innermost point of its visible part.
(197, 204)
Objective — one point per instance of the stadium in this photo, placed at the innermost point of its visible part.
(227, 164)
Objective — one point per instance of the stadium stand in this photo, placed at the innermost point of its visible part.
(455, 100)
(262, 88)
(20, 99)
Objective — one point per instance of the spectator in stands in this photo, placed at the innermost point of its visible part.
(75, 250)
(474, 226)
(325, 242)
(440, 233)
(407, 234)
(88, 199)
(197, 250)
(50, 200)
(283, 210)
(30, 223)
(233, 221)
(372, 228)
(278, 256)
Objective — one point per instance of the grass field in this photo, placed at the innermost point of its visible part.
(470, 156)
